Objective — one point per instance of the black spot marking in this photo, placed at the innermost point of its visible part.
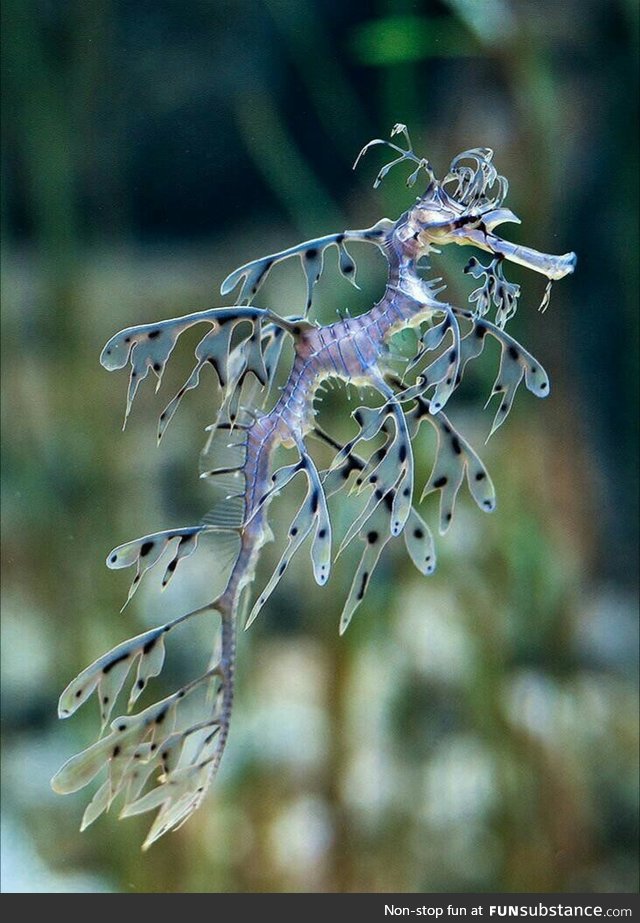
(322, 533)
(162, 415)
(455, 445)
(448, 517)
(293, 532)
(453, 355)
(115, 751)
(156, 366)
(379, 494)
(440, 482)
(315, 500)
(133, 373)
(504, 408)
(339, 238)
(127, 339)
(373, 479)
(402, 454)
(418, 533)
(282, 568)
(406, 492)
(154, 333)
(488, 504)
(349, 268)
(480, 475)
(140, 684)
(172, 565)
(111, 665)
(122, 727)
(388, 501)
(105, 700)
(161, 716)
(78, 693)
(480, 331)
(149, 646)
(311, 253)
(146, 548)
(543, 385)
(363, 585)
(514, 353)
(372, 537)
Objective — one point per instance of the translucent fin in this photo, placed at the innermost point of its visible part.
(224, 453)
(145, 552)
(227, 514)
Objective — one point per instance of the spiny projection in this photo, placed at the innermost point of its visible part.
(165, 756)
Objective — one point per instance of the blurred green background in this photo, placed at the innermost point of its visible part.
(476, 730)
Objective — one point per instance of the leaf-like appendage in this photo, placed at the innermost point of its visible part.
(251, 276)
(454, 457)
(145, 552)
(496, 288)
(374, 537)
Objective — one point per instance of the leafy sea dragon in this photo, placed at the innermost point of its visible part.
(165, 756)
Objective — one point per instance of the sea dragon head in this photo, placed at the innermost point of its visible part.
(464, 208)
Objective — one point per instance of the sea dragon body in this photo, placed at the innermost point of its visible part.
(181, 746)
